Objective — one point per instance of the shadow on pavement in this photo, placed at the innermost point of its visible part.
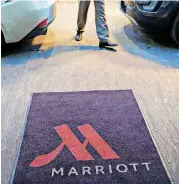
(93, 48)
(25, 46)
(23, 52)
(157, 49)
(20, 47)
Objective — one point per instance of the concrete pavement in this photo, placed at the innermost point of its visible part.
(57, 63)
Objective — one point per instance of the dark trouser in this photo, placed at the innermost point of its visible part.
(100, 18)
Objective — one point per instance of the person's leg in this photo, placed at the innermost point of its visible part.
(82, 14)
(101, 25)
(82, 17)
(100, 19)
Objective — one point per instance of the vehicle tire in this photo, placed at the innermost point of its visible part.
(2, 39)
(175, 30)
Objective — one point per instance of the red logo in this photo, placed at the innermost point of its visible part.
(77, 148)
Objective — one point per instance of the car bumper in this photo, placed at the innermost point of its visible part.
(17, 26)
(156, 21)
(36, 32)
(42, 30)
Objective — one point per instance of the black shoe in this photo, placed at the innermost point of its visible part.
(78, 36)
(103, 44)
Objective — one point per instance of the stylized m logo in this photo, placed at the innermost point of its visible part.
(77, 148)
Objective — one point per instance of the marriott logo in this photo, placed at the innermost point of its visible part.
(77, 148)
(80, 153)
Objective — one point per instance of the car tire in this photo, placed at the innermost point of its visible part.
(175, 30)
(2, 39)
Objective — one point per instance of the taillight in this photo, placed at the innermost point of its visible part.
(43, 23)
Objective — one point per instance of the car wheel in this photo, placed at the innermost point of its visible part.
(175, 30)
(2, 39)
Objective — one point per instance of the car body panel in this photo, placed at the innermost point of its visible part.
(158, 21)
(18, 17)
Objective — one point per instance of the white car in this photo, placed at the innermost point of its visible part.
(22, 19)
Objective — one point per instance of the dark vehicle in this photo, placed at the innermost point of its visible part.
(159, 17)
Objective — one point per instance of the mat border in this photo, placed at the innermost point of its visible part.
(68, 92)
(153, 138)
(21, 140)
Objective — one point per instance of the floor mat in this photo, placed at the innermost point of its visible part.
(93, 137)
